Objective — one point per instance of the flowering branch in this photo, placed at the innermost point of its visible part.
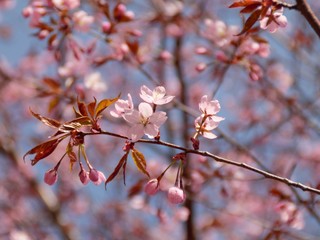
(266, 174)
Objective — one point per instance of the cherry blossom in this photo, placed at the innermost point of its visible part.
(122, 107)
(274, 20)
(204, 126)
(205, 123)
(82, 20)
(94, 81)
(144, 121)
(156, 96)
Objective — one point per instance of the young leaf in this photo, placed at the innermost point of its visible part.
(43, 150)
(103, 104)
(91, 107)
(139, 161)
(47, 121)
(82, 108)
(73, 159)
(250, 21)
(115, 172)
(244, 3)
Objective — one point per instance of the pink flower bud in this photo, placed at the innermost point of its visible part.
(106, 26)
(176, 195)
(51, 176)
(129, 15)
(93, 175)
(201, 66)
(201, 50)
(43, 34)
(152, 187)
(84, 176)
(26, 12)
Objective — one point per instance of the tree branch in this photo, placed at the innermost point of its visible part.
(304, 8)
(266, 174)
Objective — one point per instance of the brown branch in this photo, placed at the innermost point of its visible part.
(304, 8)
(266, 174)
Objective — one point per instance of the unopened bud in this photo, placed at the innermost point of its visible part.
(152, 187)
(201, 66)
(176, 195)
(51, 177)
(84, 178)
(93, 175)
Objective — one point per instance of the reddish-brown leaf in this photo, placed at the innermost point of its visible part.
(50, 82)
(103, 104)
(244, 3)
(82, 108)
(91, 107)
(47, 121)
(43, 150)
(115, 172)
(76, 124)
(250, 8)
(139, 161)
(250, 22)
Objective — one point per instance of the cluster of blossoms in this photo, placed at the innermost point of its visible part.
(146, 120)
(244, 49)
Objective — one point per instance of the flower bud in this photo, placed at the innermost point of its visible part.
(106, 27)
(201, 67)
(51, 176)
(152, 187)
(176, 195)
(84, 178)
(94, 175)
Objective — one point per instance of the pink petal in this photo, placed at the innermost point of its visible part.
(132, 117)
(146, 94)
(158, 118)
(209, 135)
(158, 93)
(145, 110)
(164, 100)
(136, 132)
(151, 130)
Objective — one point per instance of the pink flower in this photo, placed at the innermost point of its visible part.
(205, 126)
(144, 121)
(157, 96)
(50, 177)
(82, 20)
(210, 108)
(205, 123)
(274, 20)
(66, 4)
(122, 107)
(176, 195)
(152, 187)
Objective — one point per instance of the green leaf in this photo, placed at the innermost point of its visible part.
(139, 161)
(103, 104)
